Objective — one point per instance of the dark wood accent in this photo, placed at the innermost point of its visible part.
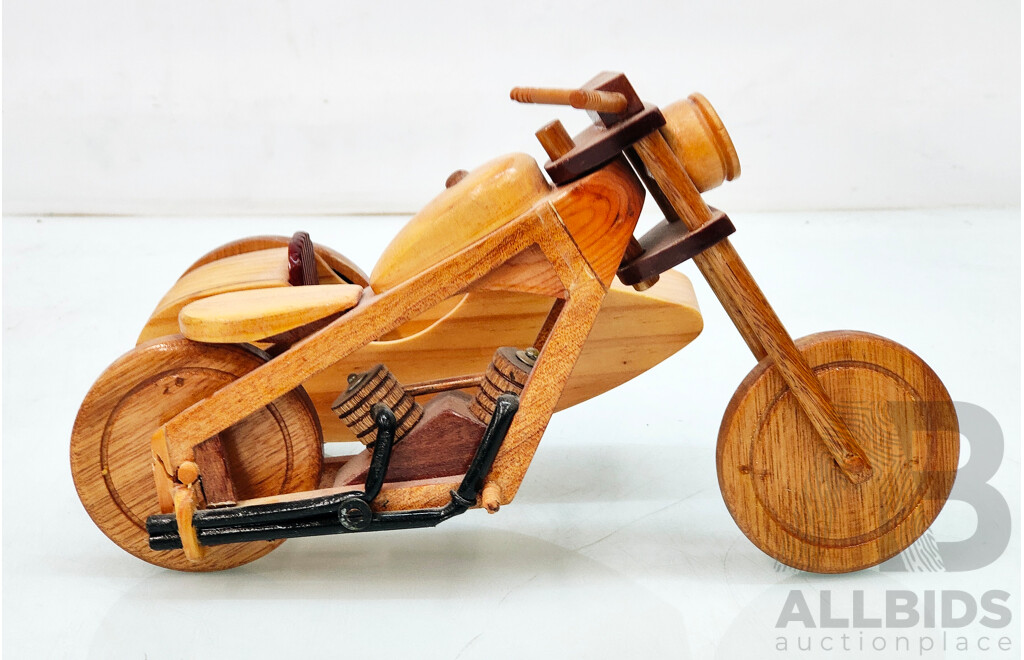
(302, 261)
(669, 244)
(442, 444)
(214, 473)
(455, 177)
(598, 145)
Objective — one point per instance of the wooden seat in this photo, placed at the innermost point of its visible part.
(258, 269)
(485, 199)
(255, 314)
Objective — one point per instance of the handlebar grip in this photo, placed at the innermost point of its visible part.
(584, 99)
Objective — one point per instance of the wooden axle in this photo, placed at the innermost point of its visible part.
(443, 385)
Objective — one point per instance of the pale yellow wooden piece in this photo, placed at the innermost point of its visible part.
(258, 269)
(184, 509)
(490, 498)
(249, 316)
(253, 270)
(488, 197)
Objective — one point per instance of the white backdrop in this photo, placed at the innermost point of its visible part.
(330, 107)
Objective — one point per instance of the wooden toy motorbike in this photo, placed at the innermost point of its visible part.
(495, 306)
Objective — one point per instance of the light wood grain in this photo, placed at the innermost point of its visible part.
(239, 266)
(262, 269)
(252, 315)
(277, 449)
(555, 140)
(185, 506)
(489, 196)
(611, 192)
(781, 485)
(585, 206)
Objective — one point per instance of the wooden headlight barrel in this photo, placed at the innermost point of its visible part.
(699, 139)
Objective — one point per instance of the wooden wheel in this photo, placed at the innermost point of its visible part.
(275, 450)
(785, 491)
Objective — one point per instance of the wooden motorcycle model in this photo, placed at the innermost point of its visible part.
(503, 300)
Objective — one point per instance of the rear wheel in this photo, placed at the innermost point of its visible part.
(784, 489)
(276, 450)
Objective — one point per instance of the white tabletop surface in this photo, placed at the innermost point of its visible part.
(618, 545)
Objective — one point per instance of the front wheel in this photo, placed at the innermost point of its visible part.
(278, 449)
(785, 491)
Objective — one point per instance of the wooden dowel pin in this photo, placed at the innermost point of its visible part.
(443, 385)
(455, 177)
(490, 498)
(584, 99)
(555, 139)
